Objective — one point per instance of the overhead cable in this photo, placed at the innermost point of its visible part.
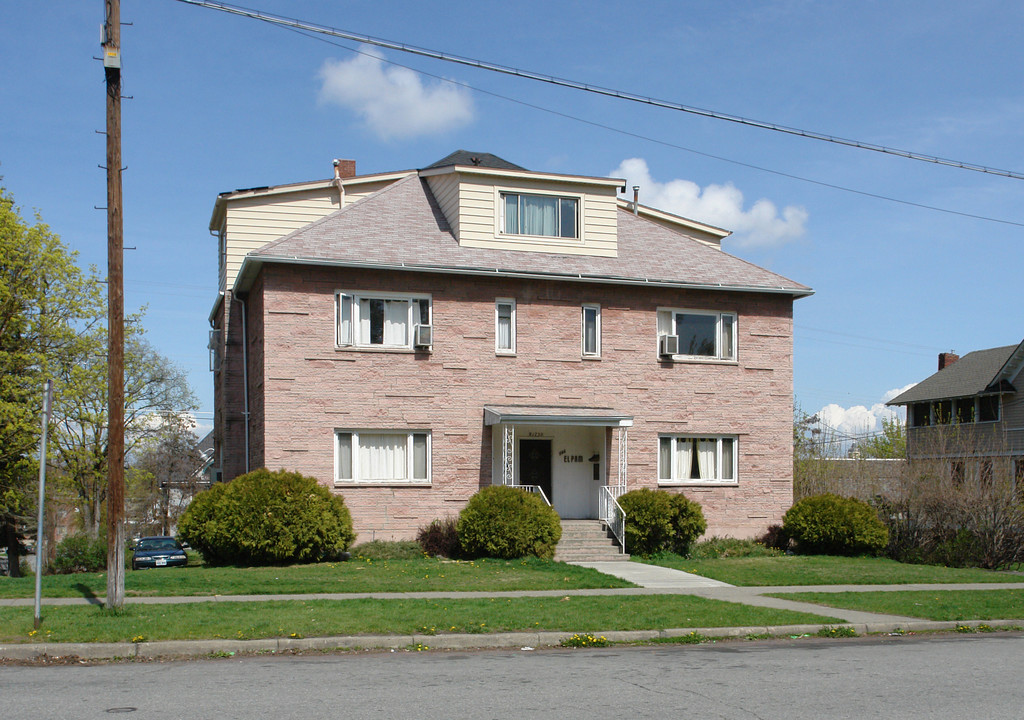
(596, 89)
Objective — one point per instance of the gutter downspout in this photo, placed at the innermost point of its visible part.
(245, 373)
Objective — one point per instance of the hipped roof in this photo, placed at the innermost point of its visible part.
(401, 227)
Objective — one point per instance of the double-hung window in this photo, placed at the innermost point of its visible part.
(505, 326)
(380, 320)
(701, 334)
(541, 215)
(381, 456)
(591, 331)
(695, 459)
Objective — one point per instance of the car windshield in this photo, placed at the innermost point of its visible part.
(157, 544)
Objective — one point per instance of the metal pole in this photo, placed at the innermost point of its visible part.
(115, 309)
(47, 403)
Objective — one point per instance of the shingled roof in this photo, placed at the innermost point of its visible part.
(401, 227)
(975, 373)
(476, 159)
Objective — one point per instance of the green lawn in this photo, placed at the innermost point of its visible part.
(827, 570)
(931, 605)
(295, 618)
(353, 576)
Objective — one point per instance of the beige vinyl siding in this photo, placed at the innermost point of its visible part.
(479, 216)
(688, 230)
(355, 192)
(446, 191)
(258, 219)
(255, 221)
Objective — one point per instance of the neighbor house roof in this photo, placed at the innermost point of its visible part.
(976, 372)
(401, 227)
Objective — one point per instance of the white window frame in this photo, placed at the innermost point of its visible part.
(511, 350)
(681, 476)
(356, 479)
(502, 193)
(666, 318)
(596, 352)
(354, 297)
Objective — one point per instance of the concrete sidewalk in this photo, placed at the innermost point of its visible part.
(652, 579)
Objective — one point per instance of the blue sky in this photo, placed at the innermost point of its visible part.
(221, 102)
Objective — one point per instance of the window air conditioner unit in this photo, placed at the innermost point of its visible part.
(424, 336)
(668, 345)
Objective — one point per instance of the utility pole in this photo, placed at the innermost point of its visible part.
(115, 309)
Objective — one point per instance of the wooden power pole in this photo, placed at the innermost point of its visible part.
(115, 310)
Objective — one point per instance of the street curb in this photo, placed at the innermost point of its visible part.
(531, 640)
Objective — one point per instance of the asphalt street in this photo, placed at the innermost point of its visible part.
(891, 677)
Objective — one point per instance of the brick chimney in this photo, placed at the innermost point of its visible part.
(344, 168)
(947, 359)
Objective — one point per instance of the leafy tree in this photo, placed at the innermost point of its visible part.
(163, 475)
(892, 443)
(46, 303)
(155, 389)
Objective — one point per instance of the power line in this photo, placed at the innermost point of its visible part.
(656, 141)
(596, 89)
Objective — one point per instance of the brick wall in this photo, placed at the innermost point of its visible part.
(309, 388)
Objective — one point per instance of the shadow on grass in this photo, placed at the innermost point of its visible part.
(88, 594)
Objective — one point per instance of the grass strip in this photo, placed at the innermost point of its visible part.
(930, 605)
(827, 570)
(353, 576)
(296, 618)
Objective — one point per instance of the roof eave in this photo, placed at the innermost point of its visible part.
(251, 264)
(524, 175)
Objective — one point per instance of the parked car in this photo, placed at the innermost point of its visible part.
(158, 551)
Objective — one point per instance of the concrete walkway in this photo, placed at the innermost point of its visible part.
(653, 576)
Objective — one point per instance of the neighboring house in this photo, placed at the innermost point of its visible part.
(410, 337)
(970, 414)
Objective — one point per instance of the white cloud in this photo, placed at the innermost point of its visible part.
(859, 419)
(392, 101)
(721, 205)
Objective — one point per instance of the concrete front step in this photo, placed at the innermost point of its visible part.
(587, 541)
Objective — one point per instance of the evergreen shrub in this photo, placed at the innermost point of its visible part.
(687, 522)
(832, 525)
(267, 518)
(506, 522)
(659, 521)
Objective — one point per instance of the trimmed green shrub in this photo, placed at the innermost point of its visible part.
(506, 522)
(80, 553)
(267, 518)
(440, 538)
(388, 550)
(687, 522)
(832, 525)
(659, 521)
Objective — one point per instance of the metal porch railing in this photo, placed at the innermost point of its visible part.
(612, 513)
(535, 489)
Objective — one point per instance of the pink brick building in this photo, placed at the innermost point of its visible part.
(410, 337)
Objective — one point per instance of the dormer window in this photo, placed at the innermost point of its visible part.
(540, 215)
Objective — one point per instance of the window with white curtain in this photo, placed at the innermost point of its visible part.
(690, 459)
(543, 215)
(379, 320)
(505, 326)
(591, 330)
(381, 456)
(702, 334)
